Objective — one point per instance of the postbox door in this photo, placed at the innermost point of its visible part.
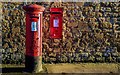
(33, 36)
(56, 26)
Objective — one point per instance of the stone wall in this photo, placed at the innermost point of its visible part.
(91, 33)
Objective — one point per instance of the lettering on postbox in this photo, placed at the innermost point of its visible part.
(34, 26)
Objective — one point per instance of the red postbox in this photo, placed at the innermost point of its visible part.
(56, 23)
(33, 56)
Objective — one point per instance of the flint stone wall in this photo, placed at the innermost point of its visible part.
(91, 33)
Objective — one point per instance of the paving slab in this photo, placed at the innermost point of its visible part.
(82, 68)
(64, 68)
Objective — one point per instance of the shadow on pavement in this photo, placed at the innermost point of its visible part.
(13, 70)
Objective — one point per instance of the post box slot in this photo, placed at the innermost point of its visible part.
(55, 12)
(34, 17)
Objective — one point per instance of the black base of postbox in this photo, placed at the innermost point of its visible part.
(33, 64)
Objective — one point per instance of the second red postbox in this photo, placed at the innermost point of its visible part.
(56, 15)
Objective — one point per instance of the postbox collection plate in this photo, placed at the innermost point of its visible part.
(56, 23)
(34, 26)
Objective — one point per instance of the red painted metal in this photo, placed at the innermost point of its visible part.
(34, 29)
(56, 15)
